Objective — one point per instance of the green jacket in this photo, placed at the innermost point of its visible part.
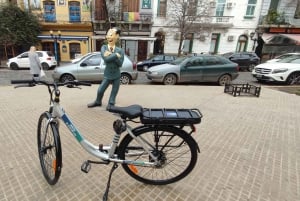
(112, 62)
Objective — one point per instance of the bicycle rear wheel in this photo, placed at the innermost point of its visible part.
(49, 148)
(175, 149)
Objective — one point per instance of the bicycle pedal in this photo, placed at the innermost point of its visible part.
(86, 167)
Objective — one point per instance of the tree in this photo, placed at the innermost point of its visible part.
(18, 29)
(188, 16)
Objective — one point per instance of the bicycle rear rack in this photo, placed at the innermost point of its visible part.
(242, 89)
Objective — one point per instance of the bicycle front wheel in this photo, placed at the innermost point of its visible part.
(175, 149)
(49, 148)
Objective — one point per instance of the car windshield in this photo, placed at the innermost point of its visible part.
(83, 57)
(178, 60)
(289, 59)
(228, 54)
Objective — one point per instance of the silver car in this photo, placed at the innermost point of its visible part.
(91, 68)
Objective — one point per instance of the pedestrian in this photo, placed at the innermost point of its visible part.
(113, 57)
(34, 62)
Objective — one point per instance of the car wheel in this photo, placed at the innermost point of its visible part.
(125, 79)
(293, 78)
(45, 66)
(170, 79)
(66, 77)
(14, 66)
(224, 79)
(145, 68)
(251, 67)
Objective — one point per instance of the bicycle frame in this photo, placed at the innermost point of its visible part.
(109, 151)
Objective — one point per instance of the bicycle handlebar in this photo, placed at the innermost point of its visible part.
(33, 82)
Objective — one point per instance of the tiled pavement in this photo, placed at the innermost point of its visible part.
(250, 147)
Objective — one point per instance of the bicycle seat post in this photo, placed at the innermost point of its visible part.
(119, 127)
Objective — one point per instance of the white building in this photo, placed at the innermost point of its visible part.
(227, 30)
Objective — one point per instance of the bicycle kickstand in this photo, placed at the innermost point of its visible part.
(105, 196)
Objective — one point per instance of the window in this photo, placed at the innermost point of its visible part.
(220, 7)
(74, 49)
(74, 11)
(49, 11)
(192, 7)
(251, 8)
(93, 60)
(158, 58)
(162, 8)
(212, 61)
(297, 11)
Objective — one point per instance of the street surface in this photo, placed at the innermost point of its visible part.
(249, 146)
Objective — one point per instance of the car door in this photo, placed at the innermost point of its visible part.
(192, 70)
(237, 58)
(23, 60)
(212, 69)
(91, 68)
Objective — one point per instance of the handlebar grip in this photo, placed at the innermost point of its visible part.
(85, 83)
(21, 81)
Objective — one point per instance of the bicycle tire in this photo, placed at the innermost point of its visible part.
(176, 150)
(49, 148)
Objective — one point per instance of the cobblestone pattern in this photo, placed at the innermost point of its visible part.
(249, 146)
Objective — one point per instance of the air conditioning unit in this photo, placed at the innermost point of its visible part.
(229, 5)
(202, 38)
(230, 38)
(212, 4)
(176, 36)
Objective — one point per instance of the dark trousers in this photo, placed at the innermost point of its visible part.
(114, 91)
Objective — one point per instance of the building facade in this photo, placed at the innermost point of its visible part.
(74, 27)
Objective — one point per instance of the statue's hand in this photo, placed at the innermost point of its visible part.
(107, 53)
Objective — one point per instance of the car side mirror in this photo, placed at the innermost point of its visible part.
(83, 64)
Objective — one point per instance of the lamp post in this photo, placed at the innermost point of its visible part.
(254, 37)
(55, 37)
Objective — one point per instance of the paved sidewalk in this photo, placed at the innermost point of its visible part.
(249, 146)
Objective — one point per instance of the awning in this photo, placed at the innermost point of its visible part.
(48, 37)
(126, 38)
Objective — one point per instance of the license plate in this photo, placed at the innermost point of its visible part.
(259, 76)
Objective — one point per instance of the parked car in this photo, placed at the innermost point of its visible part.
(154, 61)
(283, 56)
(22, 61)
(245, 60)
(204, 68)
(91, 68)
(286, 70)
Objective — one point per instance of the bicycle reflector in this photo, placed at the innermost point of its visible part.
(133, 169)
(54, 165)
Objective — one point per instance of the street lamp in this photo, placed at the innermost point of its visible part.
(55, 37)
(254, 37)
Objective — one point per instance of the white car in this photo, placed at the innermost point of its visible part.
(22, 61)
(285, 70)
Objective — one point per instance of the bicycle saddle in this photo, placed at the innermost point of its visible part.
(130, 112)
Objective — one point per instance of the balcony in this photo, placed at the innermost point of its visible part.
(131, 22)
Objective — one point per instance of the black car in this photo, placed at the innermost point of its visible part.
(245, 60)
(155, 60)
